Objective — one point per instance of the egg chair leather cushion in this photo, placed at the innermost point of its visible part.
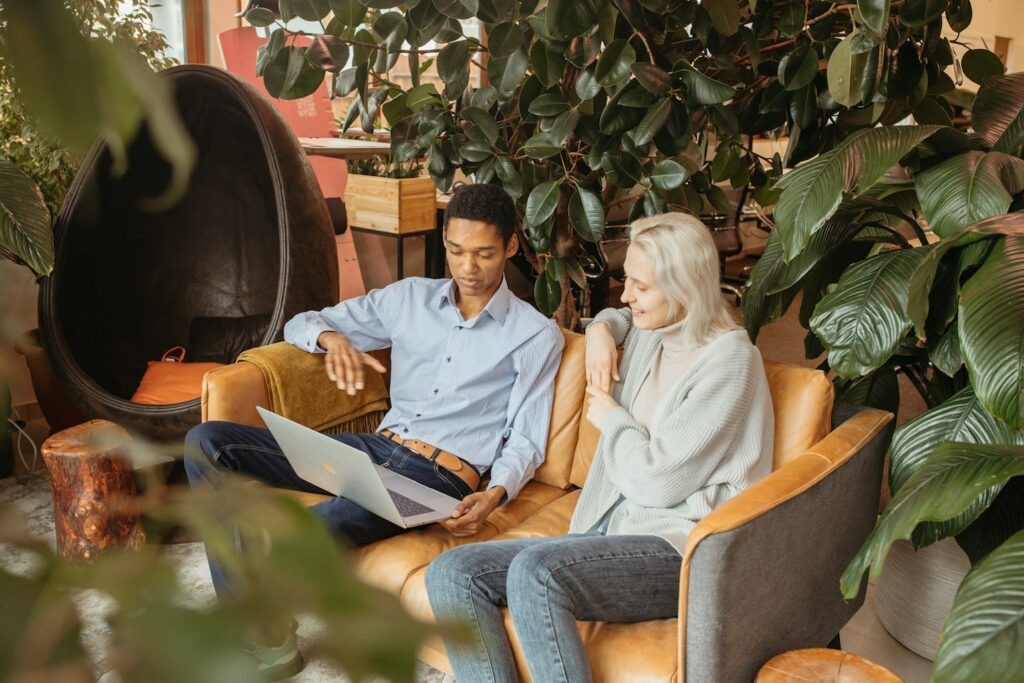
(251, 239)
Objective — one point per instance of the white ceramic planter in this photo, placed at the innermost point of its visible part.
(915, 592)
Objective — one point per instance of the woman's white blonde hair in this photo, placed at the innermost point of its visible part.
(686, 269)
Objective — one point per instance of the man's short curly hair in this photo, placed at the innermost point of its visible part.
(487, 203)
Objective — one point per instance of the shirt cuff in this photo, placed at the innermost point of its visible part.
(511, 489)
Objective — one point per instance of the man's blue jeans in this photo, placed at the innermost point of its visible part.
(212, 447)
(548, 584)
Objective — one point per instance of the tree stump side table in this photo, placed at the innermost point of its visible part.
(93, 482)
(822, 665)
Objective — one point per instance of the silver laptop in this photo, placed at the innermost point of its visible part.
(346, 471)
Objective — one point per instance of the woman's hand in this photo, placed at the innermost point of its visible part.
(602, 359)
(600, 403)
(344, 363)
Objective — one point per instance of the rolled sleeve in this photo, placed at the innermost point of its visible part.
(368, 322)
(529, 414)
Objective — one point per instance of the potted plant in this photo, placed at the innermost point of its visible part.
(944, 309)
(388, 196)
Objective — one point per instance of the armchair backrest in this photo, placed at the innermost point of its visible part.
(802, 400)
(761, 573)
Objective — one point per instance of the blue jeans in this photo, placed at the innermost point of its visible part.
(213, 447)
(547, 584)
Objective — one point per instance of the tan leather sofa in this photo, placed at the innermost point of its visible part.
(760, 574)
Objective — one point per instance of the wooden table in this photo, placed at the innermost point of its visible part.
(823, 665)
(343, 148)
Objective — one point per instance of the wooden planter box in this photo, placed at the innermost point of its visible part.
(394, 205)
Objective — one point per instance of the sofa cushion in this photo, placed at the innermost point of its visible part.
(570, 385)
(388, 564)
(802, 400)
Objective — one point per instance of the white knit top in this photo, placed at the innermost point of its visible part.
(710, 437)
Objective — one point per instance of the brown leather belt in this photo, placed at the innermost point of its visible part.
(451, 462)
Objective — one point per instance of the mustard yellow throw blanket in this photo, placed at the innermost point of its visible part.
(301, 391)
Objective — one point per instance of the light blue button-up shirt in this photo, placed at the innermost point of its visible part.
(479, 388)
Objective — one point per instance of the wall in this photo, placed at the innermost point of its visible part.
(19, 294)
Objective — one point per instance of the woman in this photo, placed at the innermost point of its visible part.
(689, 426)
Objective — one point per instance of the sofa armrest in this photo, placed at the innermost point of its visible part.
(231, 393)
(760, 574)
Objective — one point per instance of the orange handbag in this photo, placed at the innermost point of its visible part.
(172, 380)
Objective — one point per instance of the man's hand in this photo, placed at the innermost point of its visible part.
(600, 403)
(602, 360)
(470, 513)
(344, 363)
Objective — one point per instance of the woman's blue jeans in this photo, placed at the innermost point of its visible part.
(213, 447)
(547, 584)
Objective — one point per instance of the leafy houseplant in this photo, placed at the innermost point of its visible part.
(599, 110)
(47, 161)
(948, 311)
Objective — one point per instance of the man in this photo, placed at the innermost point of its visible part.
(472, 374)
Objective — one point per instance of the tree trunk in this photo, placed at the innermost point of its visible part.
(566, 315)
(93, 484)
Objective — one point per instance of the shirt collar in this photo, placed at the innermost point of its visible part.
(497, 307)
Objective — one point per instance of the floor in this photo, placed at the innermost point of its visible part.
(783, 341)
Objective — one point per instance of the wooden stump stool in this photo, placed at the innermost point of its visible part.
(822, 665)
(92, 479)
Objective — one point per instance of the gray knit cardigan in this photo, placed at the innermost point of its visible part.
(711, 437)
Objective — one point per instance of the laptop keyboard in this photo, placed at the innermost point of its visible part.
(407, 507)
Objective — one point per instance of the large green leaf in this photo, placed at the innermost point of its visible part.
(586, 214)
(569, 18)
(998, 113)
(458, 9)
(725, 15)
(979, 64)
(309, 10)
(25, 230)
(614, 64)
(506, 73)
(991, 323)
(702, 89)
(668, 175)
(960, 418)
(542, 202)
(652, 122)
(875, 14)
(924, 274)
(946, 483)
(812, 192)
(758, 305)
(863, 320)
(504, 39)
(967, 188)
(982, 637)
(424, 21)
(547, 293)
(845, 73)
(328, 53)
(290, 76)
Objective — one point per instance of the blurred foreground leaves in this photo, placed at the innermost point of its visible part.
(292, 567)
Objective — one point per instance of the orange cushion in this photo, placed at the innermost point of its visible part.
(167, 382)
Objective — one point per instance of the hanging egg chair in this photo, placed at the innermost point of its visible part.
(249, 245)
